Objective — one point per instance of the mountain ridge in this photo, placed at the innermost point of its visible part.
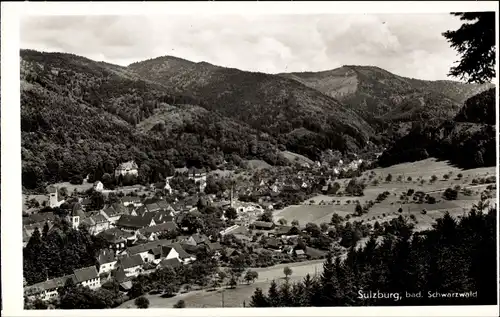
(374, 91)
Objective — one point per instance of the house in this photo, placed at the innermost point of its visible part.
(300, 254)
(266, 205)
(141, 211)
(184, 256)
(153, 207)
(88, 276)
(39, 218)
(106, 260)
(168, 226)
(127, 168)
(197, 239)
(54, 199)
(285, 231)
(48, 289)
(144, 249)
(132, 265)
(162, 252)
(214, 247)
(263, 225)
(96, 224)
(117, 239)
(85, 202)
(173, 263)
(230, 252)
(98, 186)
(112, 214)
(133, 223)
(273, 243)
(165, 206)
(242, 208)
(131, 200)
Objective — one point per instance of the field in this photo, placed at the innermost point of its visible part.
(388, 209)
(257, 164)
(234, 297)
(294, 157)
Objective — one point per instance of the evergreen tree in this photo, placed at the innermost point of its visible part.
(259, 299)
(285, 291)
(475, 43)
(273, 295)
(328, 293)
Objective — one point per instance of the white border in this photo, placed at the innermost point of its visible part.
(11, 163)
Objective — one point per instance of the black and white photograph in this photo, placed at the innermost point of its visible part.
(251, 160)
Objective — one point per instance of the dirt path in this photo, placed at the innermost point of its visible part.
(464, 187)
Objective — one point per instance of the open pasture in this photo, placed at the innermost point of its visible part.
(235, 297)
(321, 208)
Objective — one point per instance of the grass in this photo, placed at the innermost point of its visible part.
(234, 297)
(388, 209)
(257, 164)
(294, 157)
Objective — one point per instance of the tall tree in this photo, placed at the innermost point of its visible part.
(475, 43)
(259, 299)
(273, 295)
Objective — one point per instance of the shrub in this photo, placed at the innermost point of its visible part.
(141, 302)
(180, 304)
(450, 194)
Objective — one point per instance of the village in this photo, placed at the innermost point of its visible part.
(228, 216)
(136, 225)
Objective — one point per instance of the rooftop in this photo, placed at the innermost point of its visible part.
(86, 274)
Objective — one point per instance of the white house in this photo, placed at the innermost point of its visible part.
(127, 168)
(107, 261)
(158, 254)
(98, 186)
(47, 290)
(88, 276)
(131, 200)
(132, 266)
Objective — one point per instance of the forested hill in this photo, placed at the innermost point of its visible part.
(469, 140)
(301, 118)
(376, 93)
(79, 116)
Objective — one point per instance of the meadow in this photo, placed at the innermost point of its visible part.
(320, 209)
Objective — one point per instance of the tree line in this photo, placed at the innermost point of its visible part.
(455, 256)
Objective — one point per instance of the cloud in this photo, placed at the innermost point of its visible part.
(406, 44)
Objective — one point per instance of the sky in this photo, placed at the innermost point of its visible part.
(409, 45)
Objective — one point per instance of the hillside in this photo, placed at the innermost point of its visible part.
(300, 118)
(467, 140)
(374, 92)
(82, 117)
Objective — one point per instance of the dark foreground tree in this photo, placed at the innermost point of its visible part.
(475, 43)
(455, 257)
